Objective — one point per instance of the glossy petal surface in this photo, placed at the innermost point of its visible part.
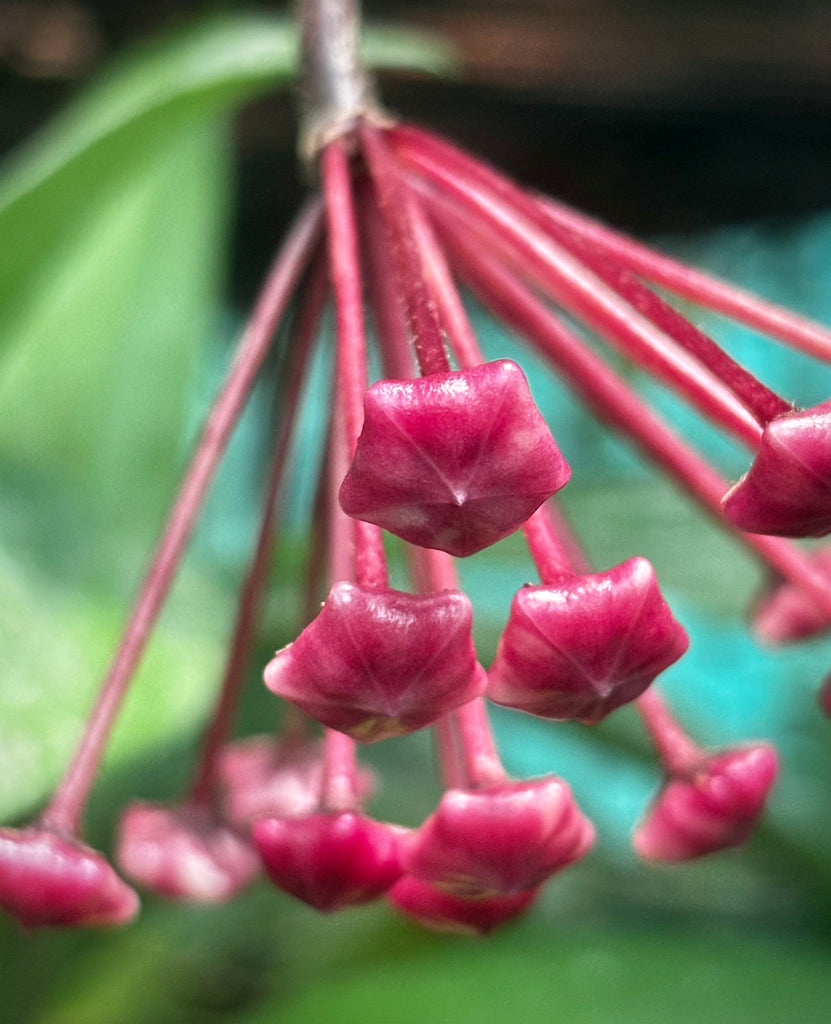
(380, 663)
(581, 648)
(787, 490)
(330, 861)
(454, 461)
(503, 839)
(46, 879)
(714, 809)
(442, 911)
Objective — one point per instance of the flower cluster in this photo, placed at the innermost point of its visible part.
(449, 453)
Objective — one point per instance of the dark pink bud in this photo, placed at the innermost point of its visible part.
(46, 879)
(263, 777)
(712, 808)
(330, 861)
(454, 461)
(461, 915)
(506, 838)
(380, 663)
(582, 647)
(787, 613)
(184, 852)
(787, 490)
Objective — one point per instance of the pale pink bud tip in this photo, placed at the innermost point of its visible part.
(507, 838)
(380, 663)
(330, 861)
(787, 613)
(582, 647)
(715, 807)
(787, 490)
(455, 461)
(184, 853)
(46, 879)
(459, 915)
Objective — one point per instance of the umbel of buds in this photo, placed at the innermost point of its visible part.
(450, 453)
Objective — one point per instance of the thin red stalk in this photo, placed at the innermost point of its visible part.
(345, 273)
(695, 285)
(394, 202)
(550, 555)
(616, 404)
(337, 787)
(678, 753)
(253, 590)
(755, 396)
(482, 762)
(450, 759)
(580, 291)
(66, 806)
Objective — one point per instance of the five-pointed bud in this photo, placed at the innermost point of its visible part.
(380, 663)
(711, 808)
(455, 461)
(787, 490)
(49, 879)
(184, 852)
(582, 647)
(505, 838)
(443, 911)
(787, 612)
(330, 861)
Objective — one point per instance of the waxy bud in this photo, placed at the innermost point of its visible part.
(455, 461)
(460, 915)
(184, 852)
(506, 838)
(47, 879)
(787, 490)
(380, 663)
(787, 612)
(582, 647)
(714, 807)
(330, 861)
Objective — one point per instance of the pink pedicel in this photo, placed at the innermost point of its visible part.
(454, 461)
(381, 663)
(501, 839)
(264, 777)
(711, 807)
(787, 490)
(442, 911)
(787, 613)
(50, 880)
(184, 852)
(330, 861)
(580, 648)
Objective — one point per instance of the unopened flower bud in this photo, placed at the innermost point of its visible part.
(582, 647)
(787, 612)
(380, 663)
(330, 861)
(443, 911)
(713, 807)
(455, 461)
(48, 879)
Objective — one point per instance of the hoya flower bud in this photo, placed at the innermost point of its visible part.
(506, 838)
(330, 861)
(184, 852)
(455, 461)
(787, 490)
(380, 663)
(582, 647)
(788, 613)
(716, 806)
(460, 915)
(47, 879)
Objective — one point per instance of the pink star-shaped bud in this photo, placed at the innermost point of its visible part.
(455, 461)
(330, 861)
(582, 647)
(787, 490)
(185, 852)
(49, 879)
(713, 807)
(506, 838)
(460, 915)
(380, 663)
